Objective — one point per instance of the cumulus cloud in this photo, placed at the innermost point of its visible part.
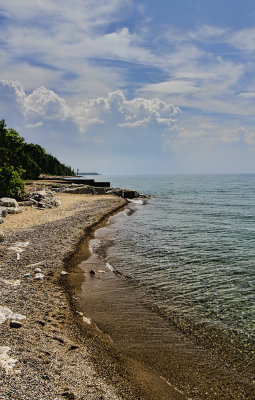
(44, 105)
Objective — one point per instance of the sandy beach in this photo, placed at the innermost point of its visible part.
(45, 352)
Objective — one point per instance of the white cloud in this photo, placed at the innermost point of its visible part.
(43, 105)
(243, 40)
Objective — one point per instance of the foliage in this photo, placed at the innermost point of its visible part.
(19, 159)
(11, 183)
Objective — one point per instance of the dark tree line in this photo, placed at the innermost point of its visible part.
(20, 160)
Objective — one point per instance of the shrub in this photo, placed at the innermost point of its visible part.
(11, 183)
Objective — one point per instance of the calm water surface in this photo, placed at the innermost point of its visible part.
(191, 251)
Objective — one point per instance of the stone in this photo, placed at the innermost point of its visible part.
(28, 275)
(68, 395)
(59, 339)
(100, 190)
(44, 199)
(3, 212)
(15, 324)
(8, 202)
(73, 347)
(25, 203)
(40, 322)
(39, 277)
(14, 210)
(2, 236)
(64, 273)
(130, 194)
(37, 270)
(92, 272)
(115, 192)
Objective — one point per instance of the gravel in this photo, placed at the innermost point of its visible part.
(44, 355)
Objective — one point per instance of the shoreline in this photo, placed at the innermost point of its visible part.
(117, 308)
(148, 385)
(45, 356)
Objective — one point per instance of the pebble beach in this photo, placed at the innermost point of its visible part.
(46, 351)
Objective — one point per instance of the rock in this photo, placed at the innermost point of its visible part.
(125, 193)
(37, 270)
(14, 210)
(28, 275)
(59, 339)
(8, 202)
(1, 220)
(68, 395)
(2, 236)
(44, 199)
(73, 347)
(115, 192)
(64, 273)
(130, 194)
(100, 190)
(3, 212)
(40, 322)
(15, 324)
(39, 277)
(92, 272)
(25, 203)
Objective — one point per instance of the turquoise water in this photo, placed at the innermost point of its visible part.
(191, 249)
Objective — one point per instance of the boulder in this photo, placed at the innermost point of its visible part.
(25, 203)
(44, 199)
(14, 210)
(115, 192)
(125, 193)
(8, 202)
(130, 194)
(3, 212)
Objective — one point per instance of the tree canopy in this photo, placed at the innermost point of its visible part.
(20, 160)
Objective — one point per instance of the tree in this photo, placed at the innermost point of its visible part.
(11, 183)
(21, 160)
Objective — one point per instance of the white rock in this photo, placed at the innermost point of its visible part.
(8, 202)
(6, 313)
(37, 270)
(39, 277)
(27, 275)
(86, 320)
(63, 273)
(6, 362)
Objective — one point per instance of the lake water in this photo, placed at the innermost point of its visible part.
(188, 256)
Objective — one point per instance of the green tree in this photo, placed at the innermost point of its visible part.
(21, 160)
(11, 183)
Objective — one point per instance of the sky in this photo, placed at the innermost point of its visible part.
(132, 86)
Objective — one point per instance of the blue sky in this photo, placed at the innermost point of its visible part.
(124, 86)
